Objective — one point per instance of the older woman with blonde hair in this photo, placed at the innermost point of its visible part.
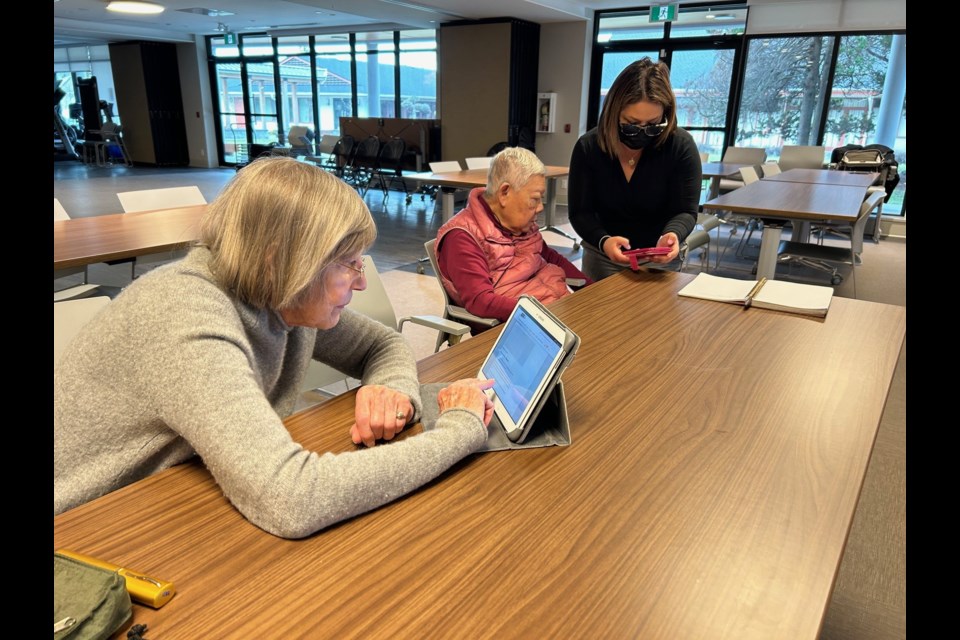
(205, 356)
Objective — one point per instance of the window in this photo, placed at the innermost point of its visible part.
(418, 74)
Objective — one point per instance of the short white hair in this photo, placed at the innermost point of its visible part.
(514, 166)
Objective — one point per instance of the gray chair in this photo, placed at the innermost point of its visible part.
(698, 239)
(77, 291)
(818, 256)
(151, 199)
(770, 169)
(69, 317)
(451, 310)
(375, 303)
(741, 155)
(749, 223)
(801, 157)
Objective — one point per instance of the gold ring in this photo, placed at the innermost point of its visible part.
(401, 415)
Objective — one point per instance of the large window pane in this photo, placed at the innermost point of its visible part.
(334, 81)
(701, 81)
(295, 87)
(263, 95)
(783, 92)
(868, 102)
(376, 60)
(614, 63)
(418, 74)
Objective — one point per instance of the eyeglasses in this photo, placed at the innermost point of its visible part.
(362, 269)
(633, 130)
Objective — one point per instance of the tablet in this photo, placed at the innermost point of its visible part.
(525, 363)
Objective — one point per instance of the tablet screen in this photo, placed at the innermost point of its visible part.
(520, 363)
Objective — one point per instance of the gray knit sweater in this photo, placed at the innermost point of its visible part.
(176, 366)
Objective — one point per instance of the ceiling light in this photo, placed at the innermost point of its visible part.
(134, 6)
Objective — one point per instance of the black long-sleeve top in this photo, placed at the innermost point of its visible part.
(663, 194)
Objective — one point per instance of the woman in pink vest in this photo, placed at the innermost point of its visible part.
(492, 251)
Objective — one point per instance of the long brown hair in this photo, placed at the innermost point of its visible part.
(641, 80)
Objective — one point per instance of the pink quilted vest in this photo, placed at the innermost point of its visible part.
(515, 264)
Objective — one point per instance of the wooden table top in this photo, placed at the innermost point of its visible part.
(826, 176)
(716, 461)
(722, 169)
(82, 241)
(473, 177)
(793, 200)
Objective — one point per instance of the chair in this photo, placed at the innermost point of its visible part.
(341, 158)
(770, 169)
(389, 168)
(451, 310)
(749, 175)
(698, 238)
(497, 148)
(818, 256)
(364, 164)
(375, 303)
(740, 155)
(300, 139)
(325, 149)
(69, 317)
(111, 136)
(59, 213)
(801, 157)
(478, 163)
(150, 199)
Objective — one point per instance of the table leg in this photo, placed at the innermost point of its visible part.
(446, 198)
(769, 246)
(550, 208)
(801, 231)
(714, 187)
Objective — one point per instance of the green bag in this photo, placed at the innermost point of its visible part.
(88, 602)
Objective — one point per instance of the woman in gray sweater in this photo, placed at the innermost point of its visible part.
(205, 356)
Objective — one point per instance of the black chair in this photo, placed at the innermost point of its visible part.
(389, 167)
(364, 165)
(497, 148)
(341, 157)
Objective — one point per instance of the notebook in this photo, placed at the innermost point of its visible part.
(779, 295)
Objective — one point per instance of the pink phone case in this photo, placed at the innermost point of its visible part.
(633, 254)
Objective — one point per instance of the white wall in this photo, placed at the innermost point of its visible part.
(565, 49)
(798, 16)
(197, 104)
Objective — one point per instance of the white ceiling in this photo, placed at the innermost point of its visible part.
(88, 21)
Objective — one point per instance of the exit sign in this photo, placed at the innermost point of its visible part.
(229, 38)
(663, 12)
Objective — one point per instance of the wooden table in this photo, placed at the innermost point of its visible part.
(471, 178)
(783, 200)
(717, 170)
(716, 462)
(826, 176)
(82, 241)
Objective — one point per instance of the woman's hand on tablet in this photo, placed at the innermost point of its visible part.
(468, 394)
(381, 413)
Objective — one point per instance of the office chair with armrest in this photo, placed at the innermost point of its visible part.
(451, 310)
(375, 303)
(750, 224)
(818, 256)
(150, 199)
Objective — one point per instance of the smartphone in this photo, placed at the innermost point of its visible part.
(633, 254)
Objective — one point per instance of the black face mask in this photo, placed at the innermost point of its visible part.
(636, 137)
